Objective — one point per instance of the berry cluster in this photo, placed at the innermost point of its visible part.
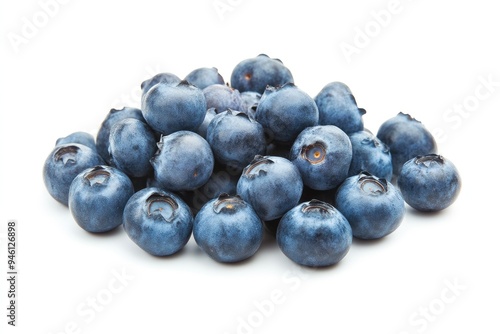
(223, 162)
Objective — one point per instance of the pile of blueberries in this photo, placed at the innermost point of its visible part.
(226, 162)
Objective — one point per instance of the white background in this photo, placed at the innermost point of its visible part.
(90, 56)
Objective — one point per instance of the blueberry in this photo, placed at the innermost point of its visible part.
(97, 197)
(322, 154)
(249, 102)
(209, 116)
(158, 221)
(279, 150)
(406, 138)
(132, 144)
(272, 185)
(429, 182)
(255, 74)
(183, 162)
(80, 137)
(337, 106)
(63, 164)
(252, 111)
(370, 154)
(113, 117)
(235, 139)
(168, 109)
(373, 206)
(328, 196)
(221, 181)
(204, 77)
(165, 78)
(285, 111)
(228, 229)
(314, 234)
(222, 97)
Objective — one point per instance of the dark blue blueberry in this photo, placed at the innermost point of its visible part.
(113, 117)
(183, 162)
(97, 197)
(314, 234)
(328, 196)
(235, 139)
(373, 206)
(406, 138)
(63, 164)
(83, 138)
(209, 116)
(168, 109)
(322, 154)
(228, 229)
(249, 102)
(252, 111)
(285, 111)
(204, 77)
(255, 74)
(132, 144)
(279, 150)
(164, 78)
(222, 97)
(158, 221)
(221, 181)
(429, 182)
(337, 106)
(272, 185)
(371, 155)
